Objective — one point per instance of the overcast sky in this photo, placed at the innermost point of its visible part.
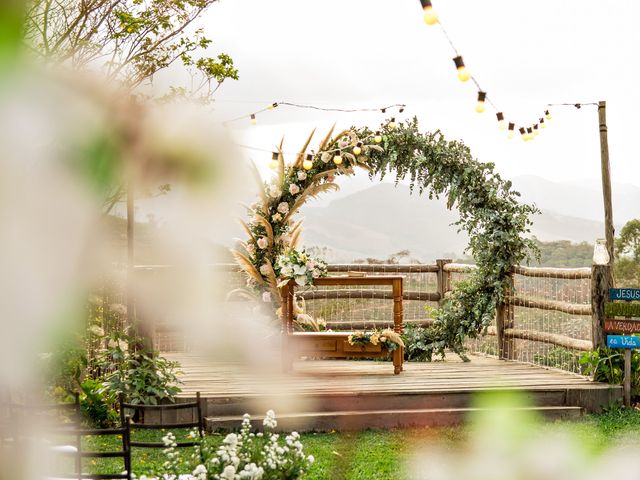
(368, 53)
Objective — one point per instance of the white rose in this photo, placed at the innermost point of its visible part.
(293, 189)
(302, 175)
(283, 207)
(274, 191)
(262, 243)
(266, 297)
(264, 269)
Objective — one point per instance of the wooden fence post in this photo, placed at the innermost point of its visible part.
(601, 282)
(504, 320)
(443, 278)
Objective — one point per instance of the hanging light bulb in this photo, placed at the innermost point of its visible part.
(377, 137)
(529, 133)
(542, 124)
(463, 74)
(308, 162)
(502, 124)
(383, 110)
(272, 106)
(511, 133)
(523, 133)
(480, 105)
(392, 124)
(357, 150)
(401, 109)
(536, 132)
(253, 119)
(337, 159)
(430, 17)
(547, 114)
(273, 164)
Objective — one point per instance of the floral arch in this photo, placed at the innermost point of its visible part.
(490, 213)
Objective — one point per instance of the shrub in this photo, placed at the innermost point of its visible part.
(96, 404)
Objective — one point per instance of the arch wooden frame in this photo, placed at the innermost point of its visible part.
(335, 344)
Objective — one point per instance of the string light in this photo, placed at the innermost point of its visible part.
(529, 134)
(430, 17)
(392, 123)
(502, 124)
(274, 105)
(523, 133)
(542, 124)
(377, 138)
(463, 73)
(481, 98)
(536, 132)
(337, 159)
(308, 162)
(273, 164)
(511, 133)
(357, 150)
(547, 115)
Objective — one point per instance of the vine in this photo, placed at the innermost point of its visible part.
(490, 213)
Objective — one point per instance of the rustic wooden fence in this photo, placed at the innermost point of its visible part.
(548, 318)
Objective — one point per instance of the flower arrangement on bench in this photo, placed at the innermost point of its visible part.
(386, 338)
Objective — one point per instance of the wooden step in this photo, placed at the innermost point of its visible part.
(376, 419)
(369, 401)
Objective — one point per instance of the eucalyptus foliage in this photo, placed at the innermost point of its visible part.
(490, 213)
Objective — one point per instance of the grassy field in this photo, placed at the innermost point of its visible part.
(382, 454)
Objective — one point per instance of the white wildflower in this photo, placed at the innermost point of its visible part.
(270, 420)
(228, 473)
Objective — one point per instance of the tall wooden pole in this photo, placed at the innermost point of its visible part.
(130, 252)
(606, 179)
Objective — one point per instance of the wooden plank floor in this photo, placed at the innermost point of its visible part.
(226, 380)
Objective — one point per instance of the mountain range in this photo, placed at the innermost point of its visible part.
(384, 218)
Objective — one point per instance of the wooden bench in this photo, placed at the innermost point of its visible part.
(336, 344)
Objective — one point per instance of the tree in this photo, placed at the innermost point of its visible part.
(628, 243)
(627, 265)
(129, 41)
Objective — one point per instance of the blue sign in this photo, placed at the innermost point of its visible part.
(623, 341)
(624, 294)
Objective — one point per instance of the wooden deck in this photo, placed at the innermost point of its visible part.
(352, 394)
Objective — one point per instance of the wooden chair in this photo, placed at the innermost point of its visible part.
(15, 417)
(197, 420)
(80, 434)
(336, 344)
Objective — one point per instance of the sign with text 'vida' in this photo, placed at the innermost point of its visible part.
(624, 294)
(623, 341)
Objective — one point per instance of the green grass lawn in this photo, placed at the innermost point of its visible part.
(378, 455)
